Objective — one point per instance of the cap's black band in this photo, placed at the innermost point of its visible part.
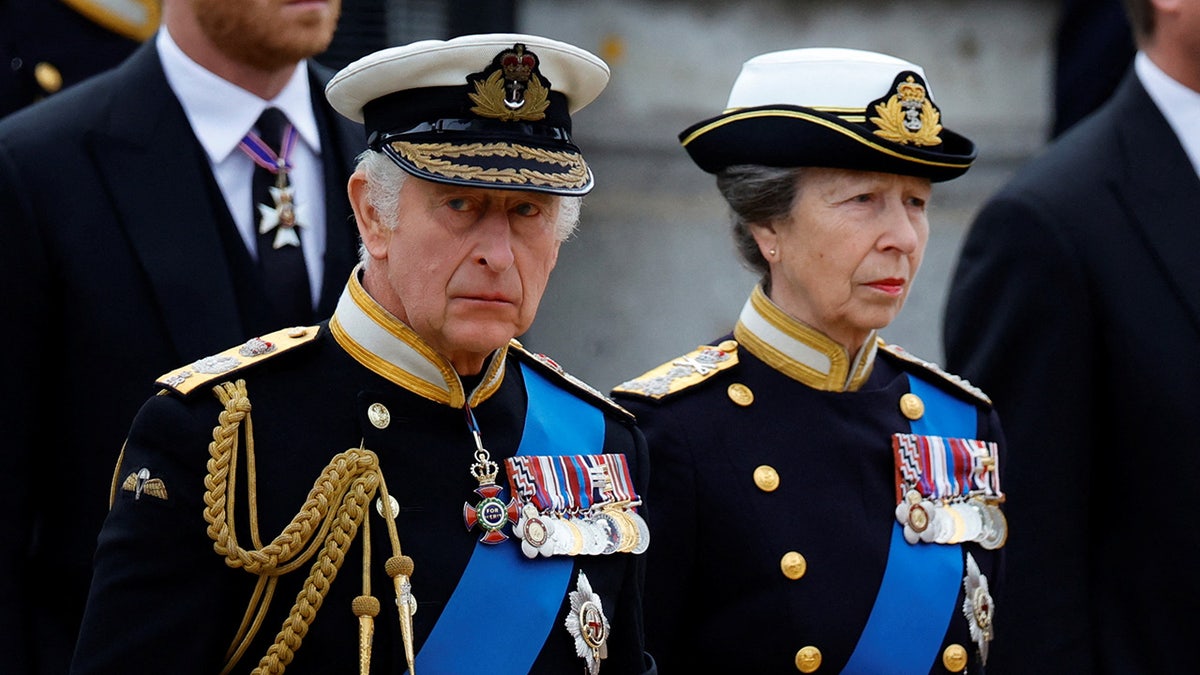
(411, 107)
(484, 127)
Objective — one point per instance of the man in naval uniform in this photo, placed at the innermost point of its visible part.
(402, 486)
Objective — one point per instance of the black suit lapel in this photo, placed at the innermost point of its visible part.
(1159, 188)
(154, 167)
(341, 142)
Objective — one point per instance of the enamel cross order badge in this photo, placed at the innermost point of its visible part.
(284, 215)
(490, 513)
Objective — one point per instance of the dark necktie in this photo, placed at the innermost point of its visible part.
(279, 255)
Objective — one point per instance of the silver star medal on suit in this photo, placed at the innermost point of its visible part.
(588, 625)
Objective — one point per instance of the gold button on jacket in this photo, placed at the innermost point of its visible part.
(808, 659)
(793, 565)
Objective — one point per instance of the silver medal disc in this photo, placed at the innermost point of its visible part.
(607, 531)
(997, 530)
(643, 530)
(972, 521)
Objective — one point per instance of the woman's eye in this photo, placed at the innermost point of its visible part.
(458, 204)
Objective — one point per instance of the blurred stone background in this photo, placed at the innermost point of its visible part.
(652, 272)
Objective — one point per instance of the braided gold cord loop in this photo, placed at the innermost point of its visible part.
(325, 527)
(324, 570)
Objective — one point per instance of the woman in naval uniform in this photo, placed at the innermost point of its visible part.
(823, 501)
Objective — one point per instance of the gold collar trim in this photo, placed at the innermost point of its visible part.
(383, 344)
(800, 351)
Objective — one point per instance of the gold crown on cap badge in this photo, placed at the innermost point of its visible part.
(908, 115)
(512, 90)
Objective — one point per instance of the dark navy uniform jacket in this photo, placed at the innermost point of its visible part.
(164, 601)
(774, 497)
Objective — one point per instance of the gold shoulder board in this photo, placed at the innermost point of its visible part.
(135, 19)
(571, 382)
(198, 373)
(959, 383)
(683, 372)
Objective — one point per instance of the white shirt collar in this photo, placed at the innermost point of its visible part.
(1179, 104)
(220, 113)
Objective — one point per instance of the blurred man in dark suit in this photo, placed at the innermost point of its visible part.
(1076, 305)
(1092, 48)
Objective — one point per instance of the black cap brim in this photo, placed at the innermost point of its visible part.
(795, 136)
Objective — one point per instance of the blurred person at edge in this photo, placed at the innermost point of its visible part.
(822, 501)
(46, 47)
(128, 246)
(1076, 304)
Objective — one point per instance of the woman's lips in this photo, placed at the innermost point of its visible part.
(890, 285)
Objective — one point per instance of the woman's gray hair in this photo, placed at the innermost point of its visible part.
(384, 180)
(761, 195)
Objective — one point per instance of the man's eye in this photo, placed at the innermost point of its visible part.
(527, 209)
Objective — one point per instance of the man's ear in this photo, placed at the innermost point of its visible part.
(374, 233)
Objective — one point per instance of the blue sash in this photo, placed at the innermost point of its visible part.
(472, 635)
(919, 591)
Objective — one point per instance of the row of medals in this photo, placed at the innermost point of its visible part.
(604, 529)
(974, 518)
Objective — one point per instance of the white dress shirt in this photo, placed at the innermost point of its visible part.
(1180, 105)
(220, 114)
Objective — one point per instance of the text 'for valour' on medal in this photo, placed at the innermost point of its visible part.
(490, 513)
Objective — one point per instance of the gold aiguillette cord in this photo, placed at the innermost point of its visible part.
(366, 606)
(332, 514)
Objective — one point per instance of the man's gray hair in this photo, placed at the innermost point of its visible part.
(761, 195)
(384, 180)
